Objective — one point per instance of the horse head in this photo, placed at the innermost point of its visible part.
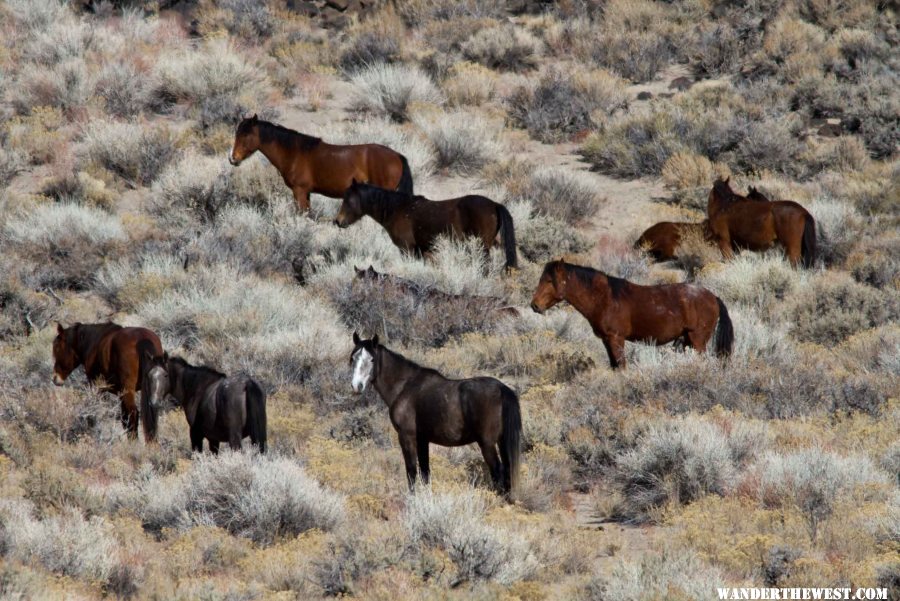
(351, 206)
(551, 287)
(65, 353)
(246, 140)
(362, 360)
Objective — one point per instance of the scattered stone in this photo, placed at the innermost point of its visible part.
(830, 130)
(681, 84)
(340, 5)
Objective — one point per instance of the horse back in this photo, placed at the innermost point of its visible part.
(333, 167)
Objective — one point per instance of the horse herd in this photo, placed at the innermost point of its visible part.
(424, 406)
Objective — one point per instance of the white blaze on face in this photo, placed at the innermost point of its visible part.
(159, 385)
(231, 154)
(363, 365)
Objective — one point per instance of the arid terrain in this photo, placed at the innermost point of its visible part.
(590, 121)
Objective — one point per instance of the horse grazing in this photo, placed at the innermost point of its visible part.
(619, 310)
(110, 352)
(735, 221)
(425, 407)
(414, 222)
(217, 407)
(309, 164)
(662, 239)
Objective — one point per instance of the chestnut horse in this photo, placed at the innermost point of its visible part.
(107, 351)
(736, 222)
(217, 407)
(308, 164)
(662, 239)
(425, 407)
(415, 222)
(619, 310)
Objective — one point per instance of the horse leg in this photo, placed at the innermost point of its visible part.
(408, 446)
(214, 446)
(492, 459)
(197, 441)
(301, 196)
(615, 348)
(424, 468)
(129, 414)
(792, 248)
(234, 440)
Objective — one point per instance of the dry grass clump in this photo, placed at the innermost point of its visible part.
(469, 84)
(670, 574)
(125, 89)
(249, 495)
(62, 244)
(463, 142)
(563, 104)
(417, 12)
(38, 137)
(541, 237)
(504, 47)
(66, 86)
(378, 39)
(563, 194)
(391, 90)
(751, 279)
(832, 307)
(130, 150)
(247, 19)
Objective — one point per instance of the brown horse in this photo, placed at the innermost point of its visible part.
(425, 407)
(619, 310)
(107, 351)
(308, 164)
(414, 222)
(662, 239)
(735, 222)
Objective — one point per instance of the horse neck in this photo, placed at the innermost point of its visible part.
(88, 336)
(277, 154)
(400, 370)
(187, 387)
(587, 299)
(380, 205)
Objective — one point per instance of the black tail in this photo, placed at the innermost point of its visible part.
(808, 245)
(508, 232)
(149, 416)
(256, 414)
(511, 438)
(724, 331)
(406, 181)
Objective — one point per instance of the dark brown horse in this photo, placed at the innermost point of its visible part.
(661, 240)
(425, 407)
(217, 407)
(107, 351)
(414, 222)
(619, 310)
(736, 222)
(308, 164)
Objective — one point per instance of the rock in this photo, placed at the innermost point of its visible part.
(340, 5)
(644, 95)
(830, 130)
(681, 84)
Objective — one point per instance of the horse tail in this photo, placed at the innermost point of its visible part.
(724, 331)
(256, 413)
(508, 232)
(406, 180)
(149, 416)
(808, 244)
(511, 437)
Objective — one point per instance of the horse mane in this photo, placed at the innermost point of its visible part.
(197, 371)
(383, 202)
(586, 275)
(84, 336)
(407, 362)
(283, 136)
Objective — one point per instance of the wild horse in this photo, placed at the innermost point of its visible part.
(425, 407)
(662, 239)
(308, 164)
(217, 407)
(414, 222)
(619, 310)
(107, 351)
(736, 221)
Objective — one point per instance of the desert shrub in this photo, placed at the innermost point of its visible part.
(688, 170)
(38, 137)
(130, 150)
(455, 523)
(469, 84)
(717, 50)
(374, 41)
(246, 19)
(11, 163)
(876, 263)
(542, 238)
(770, 144)
(249, 495)
(463, 142)
(832, 307)
(838, 227)
(562, 194)
(352, 558)
(72, 412)
(751, 279)
(38, 14)
(62, 244)
(125, 90)
(812, 480)
(681, 460)
(66, 86)
(421, 11)
(390, 90)
(503, 47)
(67, 544)
(128, 283)
(547, 473)
(670, 574)
(561, 104)
(832, 14)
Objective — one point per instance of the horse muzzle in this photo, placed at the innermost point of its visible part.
(58, 380)
(339, 223)
(233, 161)
(536, 308)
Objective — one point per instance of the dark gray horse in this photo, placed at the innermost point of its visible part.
(217, 407)
(426, 407)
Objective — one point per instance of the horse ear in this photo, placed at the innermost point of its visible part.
(166, 356)
(356, 339)
(59, 328)
(375, 340)
(254, 118)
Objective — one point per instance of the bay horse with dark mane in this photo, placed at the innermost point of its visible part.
(619, 310)
(426, 407)
(662, 239)
(415, 222)
(217, 407)
(738, 222)
(110, 352)
(308, 164)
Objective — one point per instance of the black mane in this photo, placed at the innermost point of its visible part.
(84, 336)
(586, 275)
(270, 132)
(195, 377)
(723, 189)
(381, 203)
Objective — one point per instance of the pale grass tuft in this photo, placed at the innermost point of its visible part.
(391, 90)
